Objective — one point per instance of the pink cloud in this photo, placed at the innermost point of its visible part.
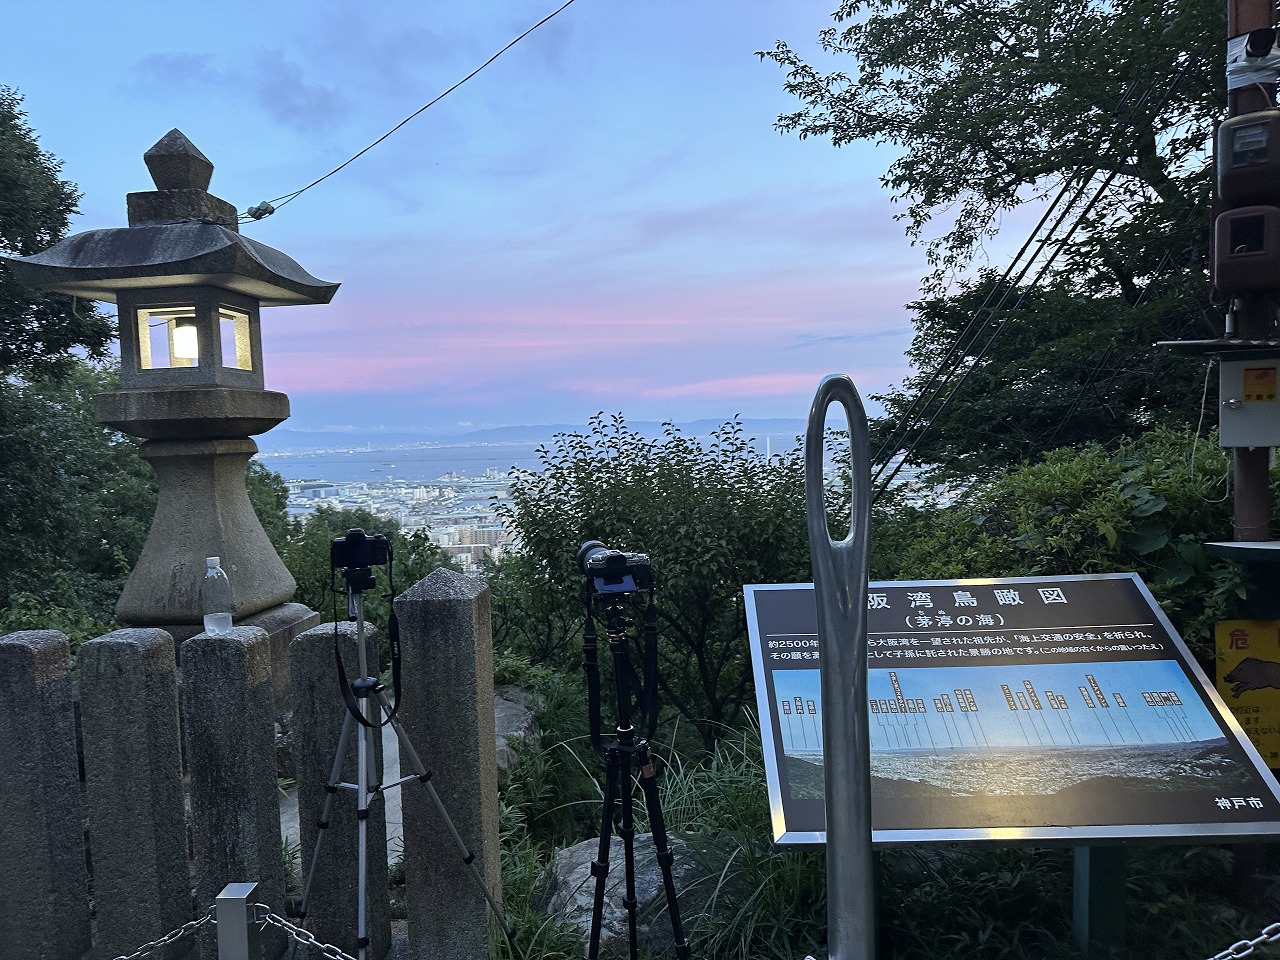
(751, 385)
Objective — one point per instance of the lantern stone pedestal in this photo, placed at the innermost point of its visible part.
(203, 510)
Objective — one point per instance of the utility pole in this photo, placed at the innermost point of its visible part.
(1245, 259)
(1253, 314)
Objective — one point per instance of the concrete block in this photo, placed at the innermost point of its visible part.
(228, 720)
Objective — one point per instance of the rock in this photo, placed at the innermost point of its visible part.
(513, 715)
(572, 893)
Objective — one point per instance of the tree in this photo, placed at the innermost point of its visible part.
(1146, 505)
(995, 102)
(1102, 111)
(1053, 369)
(76, 500)
(270, 498)
(39, 332)
(711, 517)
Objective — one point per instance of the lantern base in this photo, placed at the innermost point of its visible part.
(282, 623)
(203, 511)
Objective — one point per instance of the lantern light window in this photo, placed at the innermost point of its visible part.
(167, 338)
(233, 328)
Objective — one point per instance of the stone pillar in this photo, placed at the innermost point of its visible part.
(44, 897)
(448, 716)
(133, 779)
(228, 720)
(318, 716)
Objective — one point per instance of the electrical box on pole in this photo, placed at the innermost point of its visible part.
(1246, 233)
(1250, 414)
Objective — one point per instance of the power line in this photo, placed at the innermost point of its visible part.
(270, 207)
(953, 378)
(937, 382)
(1165, 258)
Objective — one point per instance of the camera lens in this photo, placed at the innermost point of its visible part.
(588, 551)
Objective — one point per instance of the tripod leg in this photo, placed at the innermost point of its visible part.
(364, 764)
(600, 866)
(424, 776)
(658, 826)
(331, 790)
(627, 830)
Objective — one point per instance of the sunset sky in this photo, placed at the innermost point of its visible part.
(604, 219)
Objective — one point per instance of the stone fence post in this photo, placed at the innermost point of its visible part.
(133, 779)
(44, 897)
(318, 716)
(228, 718)
(447, 712)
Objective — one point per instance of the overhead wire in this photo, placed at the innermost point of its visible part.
(957, 376)
(943, 371)
(972, 330)
(287, 198)
(943, 377)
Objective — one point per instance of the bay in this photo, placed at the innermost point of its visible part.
(415, 464)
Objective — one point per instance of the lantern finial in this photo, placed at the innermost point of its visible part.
(177, 164)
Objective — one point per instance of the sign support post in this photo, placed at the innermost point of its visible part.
(1098, 900)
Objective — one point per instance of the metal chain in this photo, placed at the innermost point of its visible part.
(1242, 948)
(173, 937)
(305, 937)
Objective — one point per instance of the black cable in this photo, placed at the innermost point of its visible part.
(885, 454)
(995, 335)
(1059, 245)
(280, 201)
(933, 388)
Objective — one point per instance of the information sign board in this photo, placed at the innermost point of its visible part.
(1044, 709)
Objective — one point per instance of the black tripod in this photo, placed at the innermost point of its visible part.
(626, 760)
(367, 706)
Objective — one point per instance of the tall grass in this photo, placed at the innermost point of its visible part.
(753, 900)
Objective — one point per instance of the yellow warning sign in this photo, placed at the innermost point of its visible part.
(1259, 384)
(1248, 678)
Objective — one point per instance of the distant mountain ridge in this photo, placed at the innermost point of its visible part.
(283, 439)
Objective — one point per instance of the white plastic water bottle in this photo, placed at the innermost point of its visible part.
(215, 598)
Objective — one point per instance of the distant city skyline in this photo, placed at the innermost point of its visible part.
(604, 219)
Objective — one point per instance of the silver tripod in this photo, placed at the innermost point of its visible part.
(371, 714)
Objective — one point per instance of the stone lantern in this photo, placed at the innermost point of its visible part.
(189, 288)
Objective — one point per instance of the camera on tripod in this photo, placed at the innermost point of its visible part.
(355, 554)
(359, 549)
(614, 571)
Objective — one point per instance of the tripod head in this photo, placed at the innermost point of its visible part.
(613, 577)
(356, 554)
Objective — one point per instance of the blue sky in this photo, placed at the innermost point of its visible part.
(602, 220)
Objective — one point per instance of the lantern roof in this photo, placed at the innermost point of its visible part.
(179, 235)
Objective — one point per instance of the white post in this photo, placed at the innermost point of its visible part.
(237, 932)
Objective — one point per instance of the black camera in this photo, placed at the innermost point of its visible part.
(614, 571)
(359, 549)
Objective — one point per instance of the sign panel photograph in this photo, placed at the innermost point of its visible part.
(1037, 709)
